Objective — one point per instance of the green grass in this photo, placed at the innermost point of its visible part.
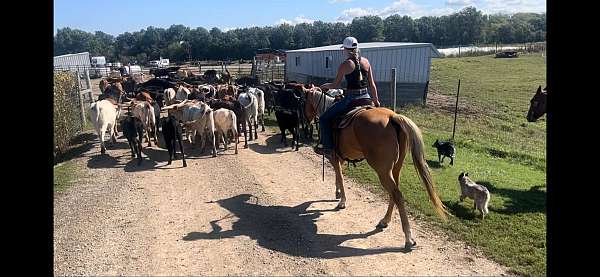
(496, 146)
(499, 149)
(64, 175)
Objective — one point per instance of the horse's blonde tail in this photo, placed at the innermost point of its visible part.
(415, 141)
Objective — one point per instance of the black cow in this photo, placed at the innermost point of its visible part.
(288, 114)
(172, 132)
(133, 129)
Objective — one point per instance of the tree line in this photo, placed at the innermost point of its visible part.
(181, 43)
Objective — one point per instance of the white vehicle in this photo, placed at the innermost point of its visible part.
(132, 69)
(164, 62)
(99, 61)
(160, 63)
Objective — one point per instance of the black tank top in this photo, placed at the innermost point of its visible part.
(352, 80)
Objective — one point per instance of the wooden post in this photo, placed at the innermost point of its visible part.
(393, 90)
(89, 85)
(456, 110)
(82, 113)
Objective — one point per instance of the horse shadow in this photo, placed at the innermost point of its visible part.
(289, 230)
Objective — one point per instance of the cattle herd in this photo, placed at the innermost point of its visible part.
(209, 113)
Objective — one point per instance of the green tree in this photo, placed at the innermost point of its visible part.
(367, 28)
(399, 28)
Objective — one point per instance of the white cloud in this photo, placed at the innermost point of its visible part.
(513, 6)
(297, 20)
(460, 3)
(284, 21)
(408, 7)
(402, 7)
(349, 14)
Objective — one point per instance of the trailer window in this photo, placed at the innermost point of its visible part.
(297, 61)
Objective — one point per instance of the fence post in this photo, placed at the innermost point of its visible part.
(393, 90)
(456, 109)
(82, 114)
(89, 84)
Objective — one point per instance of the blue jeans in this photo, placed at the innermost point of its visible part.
(326, 118)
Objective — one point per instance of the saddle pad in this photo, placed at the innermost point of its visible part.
(344, 120)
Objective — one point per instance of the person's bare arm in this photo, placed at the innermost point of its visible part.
(338, 78)
(373, 87)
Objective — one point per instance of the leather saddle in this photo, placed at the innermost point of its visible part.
(355, 107)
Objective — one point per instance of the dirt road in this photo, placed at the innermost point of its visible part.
(264, 211)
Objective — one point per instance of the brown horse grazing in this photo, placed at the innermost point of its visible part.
(383, 138)
(537, 106)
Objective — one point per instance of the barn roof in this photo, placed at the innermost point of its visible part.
(371, 45)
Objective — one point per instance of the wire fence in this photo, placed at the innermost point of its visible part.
(72, 95)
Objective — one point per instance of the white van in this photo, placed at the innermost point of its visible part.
(99, 61)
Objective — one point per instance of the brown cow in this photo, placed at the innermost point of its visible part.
(103, 85)
(144, 96)
(223, 90)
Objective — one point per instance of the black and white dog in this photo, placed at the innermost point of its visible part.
(445, 149)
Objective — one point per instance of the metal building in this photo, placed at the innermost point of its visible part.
(74, 62)
(411, 60)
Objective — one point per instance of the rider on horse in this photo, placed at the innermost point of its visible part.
(358, 74)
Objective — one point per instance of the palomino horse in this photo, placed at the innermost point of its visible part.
(383, 138)
(537, 106)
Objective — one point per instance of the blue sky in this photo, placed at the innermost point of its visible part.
(116, 17)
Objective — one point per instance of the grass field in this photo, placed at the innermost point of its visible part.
(498, 148)
(496, 145)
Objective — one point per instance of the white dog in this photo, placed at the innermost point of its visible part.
(479, 193)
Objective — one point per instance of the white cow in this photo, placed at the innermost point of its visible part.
(198, 118)
(145, 112)
(260, 97)
(169, 96)
(250, 105)
(103, 115)
(225, 121)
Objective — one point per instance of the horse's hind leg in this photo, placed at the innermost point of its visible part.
(390, 185)
(396, 174)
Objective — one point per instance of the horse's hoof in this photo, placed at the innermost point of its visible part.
(184, 164)
(381, 225)
(169, 163)
(245, 146)
(409, 245)
(341, 206)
